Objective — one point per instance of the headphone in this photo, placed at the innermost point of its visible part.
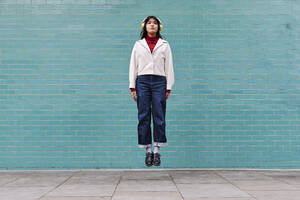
(160, 26)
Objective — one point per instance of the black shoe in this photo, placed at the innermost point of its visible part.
(149, 159)
(156, 159)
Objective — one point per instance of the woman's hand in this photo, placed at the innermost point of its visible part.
(133, 95)
(167, 95)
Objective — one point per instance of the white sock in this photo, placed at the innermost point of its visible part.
(148, 149)
(156, 149)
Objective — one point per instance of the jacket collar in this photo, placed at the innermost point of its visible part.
(158, 44)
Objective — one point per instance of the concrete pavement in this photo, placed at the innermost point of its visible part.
(154, 184)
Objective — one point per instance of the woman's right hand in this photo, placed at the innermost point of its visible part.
(133, 95)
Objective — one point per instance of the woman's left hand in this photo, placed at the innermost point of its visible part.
(167, 95)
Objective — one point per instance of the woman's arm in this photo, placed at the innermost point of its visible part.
(132, 68)
(169, 68)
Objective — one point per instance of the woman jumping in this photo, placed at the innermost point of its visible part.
(151, 77)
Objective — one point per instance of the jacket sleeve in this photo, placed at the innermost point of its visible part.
(169, 68)
(133, 68)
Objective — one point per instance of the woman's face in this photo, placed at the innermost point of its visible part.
(152, 26)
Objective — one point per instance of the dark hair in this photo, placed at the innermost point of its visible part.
(144, 31)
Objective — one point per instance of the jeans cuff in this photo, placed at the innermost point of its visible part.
(144, 145)
(160, 144)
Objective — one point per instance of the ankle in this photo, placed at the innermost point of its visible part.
(156, 149)
(148, 149)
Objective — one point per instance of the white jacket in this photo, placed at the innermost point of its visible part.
(158, 62)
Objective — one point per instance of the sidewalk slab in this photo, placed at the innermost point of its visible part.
(169, 184)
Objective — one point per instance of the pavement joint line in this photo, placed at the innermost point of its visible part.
(224, 178)
(76, 172)
(178, 190)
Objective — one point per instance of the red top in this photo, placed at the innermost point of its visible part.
(151, 41)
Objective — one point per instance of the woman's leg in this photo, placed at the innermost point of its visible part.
(159, 87)
(143, 90)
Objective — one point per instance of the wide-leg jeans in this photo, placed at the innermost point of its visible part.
(151, 99)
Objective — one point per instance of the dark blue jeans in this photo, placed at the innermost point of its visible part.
(151, 99)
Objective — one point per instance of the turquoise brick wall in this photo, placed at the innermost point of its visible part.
(65, 101)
